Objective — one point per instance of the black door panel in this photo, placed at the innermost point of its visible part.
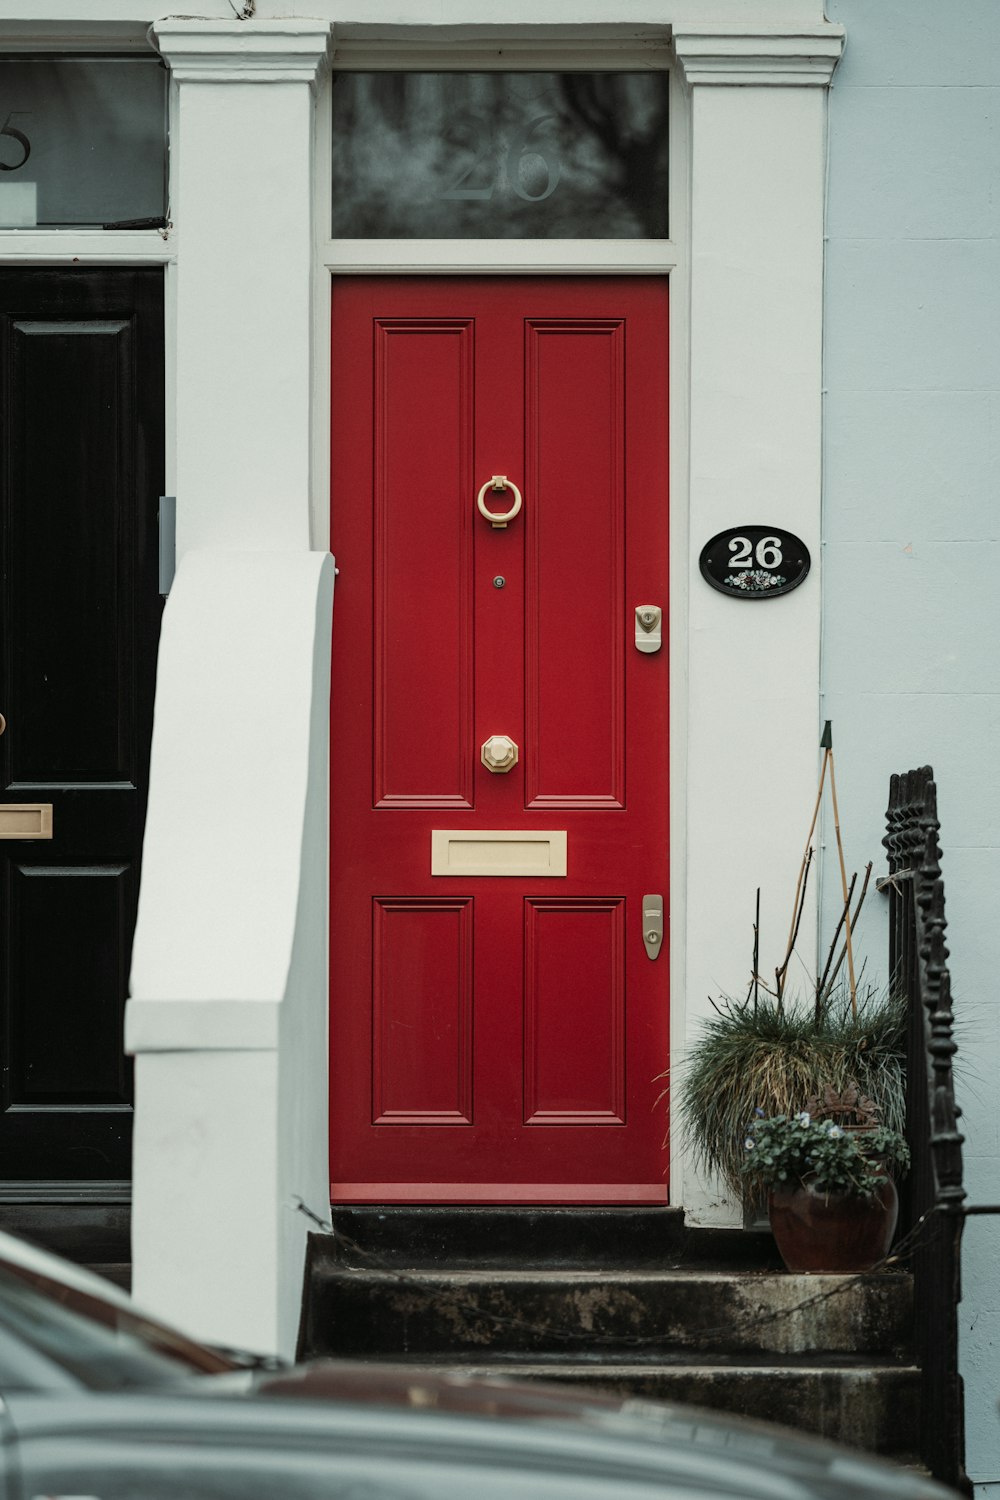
(81, 408)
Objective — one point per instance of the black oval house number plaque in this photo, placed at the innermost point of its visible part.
(754, 562)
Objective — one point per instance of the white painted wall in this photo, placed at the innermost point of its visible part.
(912, 545)
(73, 17)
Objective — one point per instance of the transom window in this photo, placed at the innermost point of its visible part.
(500, 155)
(83, 141)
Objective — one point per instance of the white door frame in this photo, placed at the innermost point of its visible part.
(747, 108)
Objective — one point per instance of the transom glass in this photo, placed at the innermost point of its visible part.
(83, 140)
(500, 155)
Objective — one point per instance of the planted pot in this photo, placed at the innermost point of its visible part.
(818, 1231)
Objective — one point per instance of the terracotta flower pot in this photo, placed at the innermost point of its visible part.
(835, 1232)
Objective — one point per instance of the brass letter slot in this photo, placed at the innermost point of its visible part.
(25, 820)
(493, 851)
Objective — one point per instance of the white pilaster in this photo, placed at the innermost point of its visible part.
(229, 979)
(242, 147)
(758, 146)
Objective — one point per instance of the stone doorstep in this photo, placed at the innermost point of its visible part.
(549, 1238)
(874, 1407)
(640, 1315)
(86, 1232)
(652, 1310)
(118, 1272)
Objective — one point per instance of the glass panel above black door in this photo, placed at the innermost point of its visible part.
(83, 141)
(500, 155)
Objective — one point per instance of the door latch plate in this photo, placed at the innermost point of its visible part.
(648, 628)
(652, 925)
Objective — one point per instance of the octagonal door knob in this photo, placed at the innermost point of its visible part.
(499, 753)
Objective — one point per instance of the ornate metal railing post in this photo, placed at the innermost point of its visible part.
(933, 1208)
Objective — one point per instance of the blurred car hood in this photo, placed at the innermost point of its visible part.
(720, 1454)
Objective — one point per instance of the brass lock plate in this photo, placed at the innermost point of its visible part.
(648, 628)
(652, 925)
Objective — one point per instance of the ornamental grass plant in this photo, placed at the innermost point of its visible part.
(772, 1053)
(767, 1056)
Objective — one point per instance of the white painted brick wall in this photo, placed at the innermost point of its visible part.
(912, 524)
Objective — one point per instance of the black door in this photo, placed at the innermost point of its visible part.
(81, 470)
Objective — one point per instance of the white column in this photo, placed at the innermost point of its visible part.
(242, 148)
(227, 1018)
(758, 101)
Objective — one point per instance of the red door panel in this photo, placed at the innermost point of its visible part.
(575, 470)
(422, 1034)
(496, 1037)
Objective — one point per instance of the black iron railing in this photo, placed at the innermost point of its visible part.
(933, 1208)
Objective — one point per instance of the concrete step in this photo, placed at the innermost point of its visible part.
(70, 1225)
(118, 1272)
(623, 1300)
(549, 1238)
(646, 1315)
(872, 1406)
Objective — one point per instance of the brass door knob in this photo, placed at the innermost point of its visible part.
(499, 753)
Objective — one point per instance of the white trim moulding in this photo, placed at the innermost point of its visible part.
(105, 247)
(773, 57)
(291, 51)
(502, 257)
(494, 51)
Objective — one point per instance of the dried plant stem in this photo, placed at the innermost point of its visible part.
(821, 983)
(800, 896)
(756, 950)
(843, 882)
(806, 856)
(825, 988)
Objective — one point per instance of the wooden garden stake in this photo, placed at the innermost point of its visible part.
(798, 903)
(756, 951)
(827, 743)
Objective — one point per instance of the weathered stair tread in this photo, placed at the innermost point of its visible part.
(621, 1300)
(546, 1237)
(870, 1406)
(89, 1233)
(445, 1313)
(511, 1364)
(585, 1369)
(119, 1272)
(682, 1275)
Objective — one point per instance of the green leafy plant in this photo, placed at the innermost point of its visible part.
(775, 1057)
(795, 1149)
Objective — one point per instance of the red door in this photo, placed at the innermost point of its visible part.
(497, 1021)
